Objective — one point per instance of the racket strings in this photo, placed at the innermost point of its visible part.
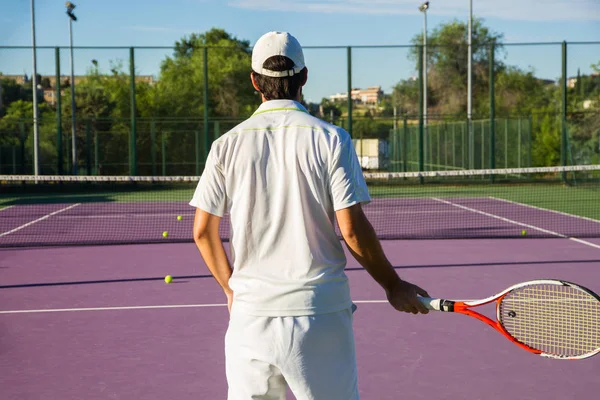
(557, 320)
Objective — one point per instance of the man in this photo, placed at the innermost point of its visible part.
(283, 176)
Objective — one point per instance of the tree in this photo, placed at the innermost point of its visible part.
(181, 82)
(11, 92)
(16, 130)
(447, 65)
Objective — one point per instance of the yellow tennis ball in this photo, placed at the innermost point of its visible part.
(168, 279)
(179, 218)
(165, 234)
(523, 232)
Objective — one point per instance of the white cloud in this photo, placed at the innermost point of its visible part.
(524, 10)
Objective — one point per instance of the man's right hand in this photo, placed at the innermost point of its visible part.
(403, 297)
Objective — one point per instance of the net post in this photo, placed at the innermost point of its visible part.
(153, 145)
(349, 58)
(133, 133)
(206, 130)
(492, 112)
(421, 94)
(563, 142)
(88, 146)
(59, 141)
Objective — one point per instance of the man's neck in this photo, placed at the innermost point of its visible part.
(298, 98)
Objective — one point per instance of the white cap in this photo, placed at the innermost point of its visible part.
(277, 44)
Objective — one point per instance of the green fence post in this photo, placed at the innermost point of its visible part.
(520, 143)
(405, 144)
(59, 141)
(481, 123)
(454, 144)
(563, 142)
(88, 146)
(216, 130)
(492, 112)
(197, 150)
(421, 94)
(133, 133)
(530, 147)
(206, 130)
(22, 139)
(14, 160)
(349, 52)
(153, 145)
(163, 152)
(506, 143)
(96, 154)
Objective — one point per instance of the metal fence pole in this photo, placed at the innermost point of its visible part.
(492, 113)
(133, 132)
(59, 135)
(206, 131)
(153, 144)
(421, 166)
(349, 52)
(96, 154)
(163, 152)
(563, 142)
(197, 150)
(405, 144)
(88, 146)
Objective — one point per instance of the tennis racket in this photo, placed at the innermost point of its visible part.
(551, 318)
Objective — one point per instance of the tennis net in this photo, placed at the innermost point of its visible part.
(465, 204)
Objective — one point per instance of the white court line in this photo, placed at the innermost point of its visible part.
(387, 212)
(157, 307)
(39, 219)
(6, 208)
(117, 216)
(518, 223)
(546, 209)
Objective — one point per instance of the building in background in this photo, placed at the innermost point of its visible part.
(372, 95)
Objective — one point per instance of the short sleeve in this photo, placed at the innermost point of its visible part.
(347, 182)
(210, 194)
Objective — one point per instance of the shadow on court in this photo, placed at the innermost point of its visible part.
(180, 279)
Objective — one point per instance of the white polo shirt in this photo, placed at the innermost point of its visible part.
(281, 175)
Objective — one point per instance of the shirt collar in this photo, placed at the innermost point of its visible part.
(280, 105)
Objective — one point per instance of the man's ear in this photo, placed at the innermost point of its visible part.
(253, 79)
(305, 77)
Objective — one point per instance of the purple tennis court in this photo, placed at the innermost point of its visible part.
(100, 323)
(84, 321)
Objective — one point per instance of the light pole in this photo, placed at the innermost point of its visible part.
(423, 8)
(470, 89)
(36, 132)
(72, 17)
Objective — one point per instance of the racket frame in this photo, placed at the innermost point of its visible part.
(463, 307)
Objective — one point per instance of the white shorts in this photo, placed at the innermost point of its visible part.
(313, 355)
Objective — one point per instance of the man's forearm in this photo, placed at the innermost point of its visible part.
(212, 251)
(364, 245)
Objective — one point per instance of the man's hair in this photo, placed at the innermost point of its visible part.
(285, 88)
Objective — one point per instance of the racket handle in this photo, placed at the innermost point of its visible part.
(431, 304)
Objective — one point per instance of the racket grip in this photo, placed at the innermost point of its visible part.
(431, 304)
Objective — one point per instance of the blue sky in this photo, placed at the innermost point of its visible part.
(313, 22)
